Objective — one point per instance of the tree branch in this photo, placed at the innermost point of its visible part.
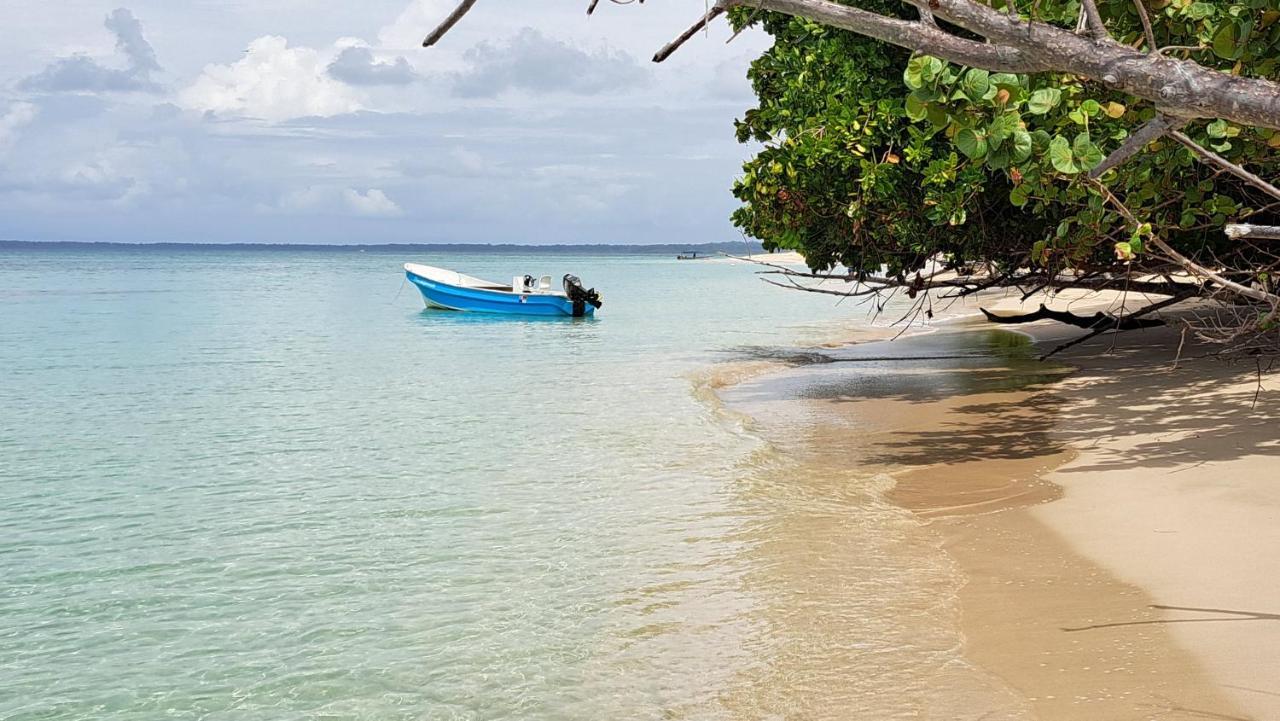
(1187, 264)
(462, 9)
(1181, 88)
(1244, 230)
(1226, 165)
(914, 35)
(1158, 126)
(1096, 28)
(1146, 25)
(674, 45)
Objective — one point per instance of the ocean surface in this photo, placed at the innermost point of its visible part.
(270, 485)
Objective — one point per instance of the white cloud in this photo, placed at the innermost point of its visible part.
(17, 116)
(272, 82)
(372, 203)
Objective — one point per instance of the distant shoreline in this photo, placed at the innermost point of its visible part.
(734, 248)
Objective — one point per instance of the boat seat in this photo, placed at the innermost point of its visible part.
(544, 283)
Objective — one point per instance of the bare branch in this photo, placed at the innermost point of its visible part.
(1182, 88)
(1096, 28)
(1158, 126)
(1146, 24)
(1226, 165)
(674, 45)
(434, 37)
(1244, 230)
(592, 7)
(913, 35)
(1189, 265)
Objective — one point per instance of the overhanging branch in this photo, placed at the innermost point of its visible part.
(462, 9)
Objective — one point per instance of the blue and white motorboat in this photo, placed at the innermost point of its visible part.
(526, 295)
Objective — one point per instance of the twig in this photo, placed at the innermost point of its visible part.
(1258, 362)
(1146, 24)
(1096, 28)
(1225, 164)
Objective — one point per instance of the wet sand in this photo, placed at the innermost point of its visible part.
(1049, 604)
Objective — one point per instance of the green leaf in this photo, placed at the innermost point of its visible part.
(913, 76)
(1044, 100)
(1217, 129)
(938, 115)
(1087, 155)
(1091, 108)
(917, 109)
(1008, 81)
(1060, 156)
(1200, 10)
(1021, 145)
(998, 158)
(1040, 140)
(1003, 126)
(976, 83)
(971, 144)
(1019, 195)
(1226, 42)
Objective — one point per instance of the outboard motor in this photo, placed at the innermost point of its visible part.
(580, 296)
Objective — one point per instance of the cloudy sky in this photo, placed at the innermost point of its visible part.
(310, 121)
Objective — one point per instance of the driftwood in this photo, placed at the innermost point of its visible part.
(1090, 322)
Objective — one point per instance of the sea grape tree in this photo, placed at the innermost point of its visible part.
(1027, 143)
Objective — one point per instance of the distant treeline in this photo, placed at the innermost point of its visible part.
(734, 248)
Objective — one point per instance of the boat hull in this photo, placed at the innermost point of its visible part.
(446, 296)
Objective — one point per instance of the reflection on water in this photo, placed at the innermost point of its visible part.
(269, 502)
(857, 614)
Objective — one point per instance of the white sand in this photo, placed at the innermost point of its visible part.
(1177, 489)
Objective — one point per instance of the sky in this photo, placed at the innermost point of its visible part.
(300, 121)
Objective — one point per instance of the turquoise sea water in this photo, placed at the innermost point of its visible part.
(270, 485)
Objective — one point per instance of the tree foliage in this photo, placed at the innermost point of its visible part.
(877, 159)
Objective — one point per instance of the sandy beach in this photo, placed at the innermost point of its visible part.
(1116, 519)
(1119, 530)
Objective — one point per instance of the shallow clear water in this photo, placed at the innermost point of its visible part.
(270, 485)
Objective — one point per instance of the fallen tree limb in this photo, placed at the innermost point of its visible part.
(1136, 315)
(1096, 321)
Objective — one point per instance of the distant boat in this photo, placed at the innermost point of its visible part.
(690, 255)
(526, 295)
